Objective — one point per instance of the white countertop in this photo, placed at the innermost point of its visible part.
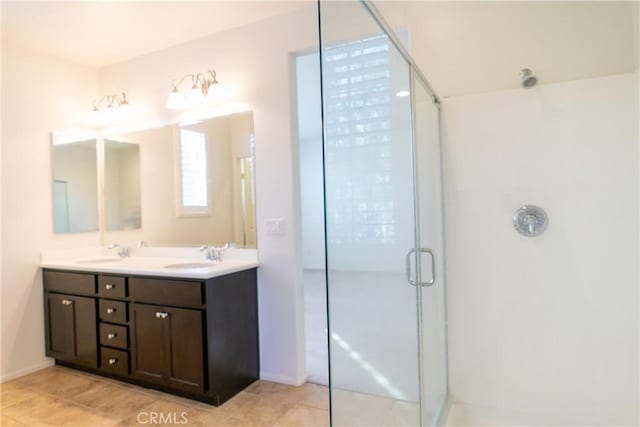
(149, 262)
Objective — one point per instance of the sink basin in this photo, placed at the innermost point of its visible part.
(188, 265)
(97, 260)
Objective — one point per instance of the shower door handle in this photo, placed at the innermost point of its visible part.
(433, 267)
(408, 267)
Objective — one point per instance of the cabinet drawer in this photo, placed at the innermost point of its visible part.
(166, 292)
(113, 335)
(115, 361)
(113, 311)
(111, 287)
(70, 283)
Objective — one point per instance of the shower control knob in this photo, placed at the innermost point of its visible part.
(530, 220)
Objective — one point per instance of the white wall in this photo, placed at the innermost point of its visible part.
(545, 326)
(253, 63)
(310, 153)
(58, 101)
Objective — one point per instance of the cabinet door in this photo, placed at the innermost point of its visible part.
(186, 368)
(72, 329)
(149, 343)
(166, 345)
(60, 340)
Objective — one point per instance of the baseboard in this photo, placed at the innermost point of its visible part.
(26, 371)
(282, 379)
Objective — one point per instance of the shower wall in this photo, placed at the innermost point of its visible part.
(544, 330)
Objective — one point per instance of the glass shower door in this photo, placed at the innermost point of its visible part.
(426, 133)
(370, 222)
(384, 226)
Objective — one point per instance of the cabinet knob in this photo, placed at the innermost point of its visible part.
(109, 286)
(67, 302)
(113, 361)
(161, 315)
(112, 335)
(111, 310)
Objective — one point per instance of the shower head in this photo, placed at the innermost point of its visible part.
(528, 80)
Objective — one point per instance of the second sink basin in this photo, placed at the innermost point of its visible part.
(188, 265)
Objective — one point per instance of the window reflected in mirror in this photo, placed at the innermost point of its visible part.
(193, 173)
(122, 185)
(75, 186)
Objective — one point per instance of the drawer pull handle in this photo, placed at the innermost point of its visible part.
(67, 302)
(113, 361)
(161, 315)
(111, 310)
(109, 286)
(112, 335)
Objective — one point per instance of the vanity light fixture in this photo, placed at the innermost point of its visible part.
(204, 88)
(117, 107)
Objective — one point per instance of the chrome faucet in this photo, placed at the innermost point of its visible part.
(212, 253)
(122, 252)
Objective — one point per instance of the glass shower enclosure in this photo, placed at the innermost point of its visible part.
(384, 225)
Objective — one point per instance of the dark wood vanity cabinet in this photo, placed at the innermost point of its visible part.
(195, 338)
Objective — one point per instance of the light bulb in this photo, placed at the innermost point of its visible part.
(95, 117)
(124, 110)
(195, 96)
(109, 113)
(176, 100)
(215, 93)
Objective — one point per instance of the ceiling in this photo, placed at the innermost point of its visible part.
(462, 47)
(101, 33)
(480, 46)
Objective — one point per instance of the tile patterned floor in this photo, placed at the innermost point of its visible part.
(59, 396)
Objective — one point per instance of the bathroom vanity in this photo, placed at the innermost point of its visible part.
(189, 331)
(166, 315)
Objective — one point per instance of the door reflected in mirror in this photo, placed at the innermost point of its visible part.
(75, 186)
(244, 203)
(121, 185)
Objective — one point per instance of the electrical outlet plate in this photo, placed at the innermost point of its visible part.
(275, 226)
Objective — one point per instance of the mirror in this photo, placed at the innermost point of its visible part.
(75, 186)
(121, 185)
(196, 182)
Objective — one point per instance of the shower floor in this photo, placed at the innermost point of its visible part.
(374, 346)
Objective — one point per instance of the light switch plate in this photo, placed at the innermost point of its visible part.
(275, 226)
